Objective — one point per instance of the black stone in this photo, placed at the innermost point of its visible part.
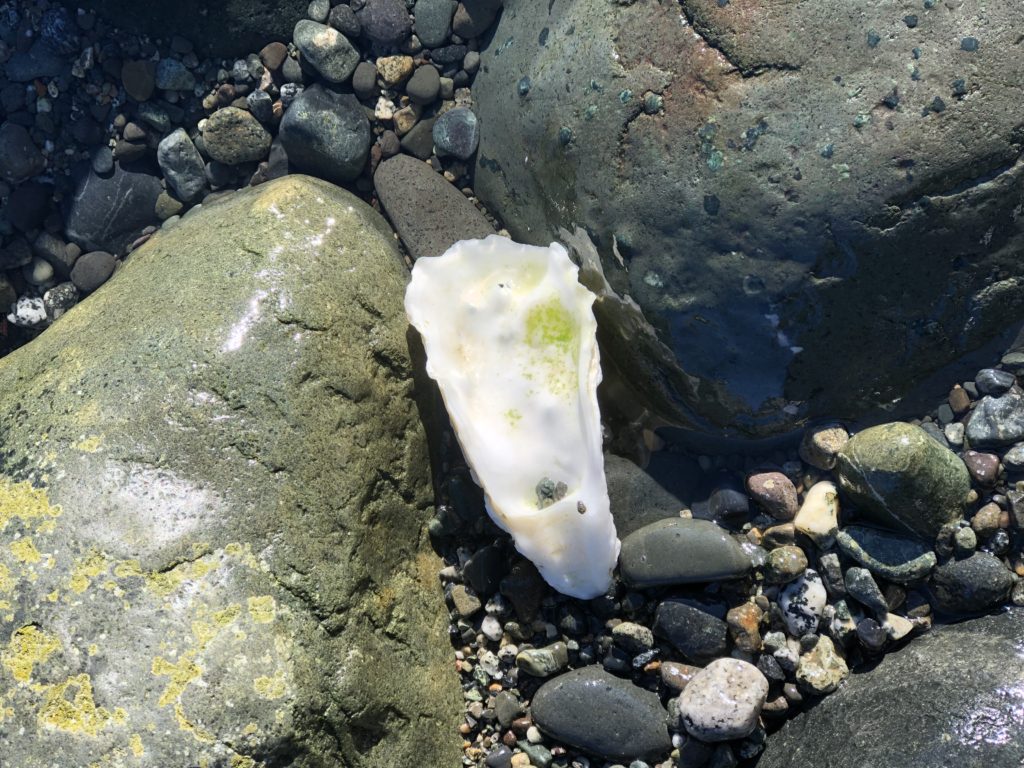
(602, 715)
(108, 213)
(680, 551)
(992, 381)
(28, 205)
(972, 585)
(92, 270)
(326, 134)
(696, 629)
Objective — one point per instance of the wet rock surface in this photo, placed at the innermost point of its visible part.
(964, 683)
(844, 194)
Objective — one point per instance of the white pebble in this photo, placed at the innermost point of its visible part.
(818, 517)
(533, 735)
(802, 603)
(491, 628)
(28, 312)
(723, 700)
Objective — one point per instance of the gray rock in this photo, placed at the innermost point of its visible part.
(428, 213)
(723, 701)
(326, 134)
(949, 698)
(784, 564)
(473, 17)
(424, 85)
(1013, 459)
(327, 50)
(802, 603)
(900, 477)
(233, 136)
(996, 421)
(172, 75)
(696, 629)
(419, 141)
(637, 499)
(385, 22)
(767, 342)
(364, 80)
(434, 21)
(344, 19)
(189, 528)
(107, 213)
(680, 551)
(971, 585)
(543, 662)
(888, 555)
(862, 587)
(457, 133)
(822, 670)
(603, 715)
(318, 10)
(182, 166)
(261, 104)
(20, 158)
(92, 270)
(992, 381)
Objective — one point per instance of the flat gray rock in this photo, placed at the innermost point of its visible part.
(680, 551)
(603, 715)
(326, 134)
(952, 697)
(107, 212)
(996, 422)
(695, 628)
(428, 213)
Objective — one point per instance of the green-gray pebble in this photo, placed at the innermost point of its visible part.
(893, 557)
(680, 551)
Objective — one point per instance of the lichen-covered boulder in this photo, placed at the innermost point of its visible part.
(213, 491)
(813, 208)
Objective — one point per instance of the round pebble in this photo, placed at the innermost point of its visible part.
(723, 700)
(233, 136)
(457, 133)
(92, 270)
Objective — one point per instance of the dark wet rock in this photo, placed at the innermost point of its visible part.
(457, 133)
(971, 585)
(984, 467)
(106, 213)
(863, 588)
(424, 85)
(903, 479)
(893, 557)
(172, 75)
(434, 21)
(680, 551)
(92, 270)
(695, 628)
(602, 715)
(996, 421)
(139, 78)
(992, 381)
(327, 50)
(215, 29)
(27, 205)
(344, 19)
(637, 499)
(326, 134)
(845, 261)
(182, 166)
(419, 141)
(428, 213)
(473, 17)
(41, 60)
(385, 21)
(208, 510)
(784, 564)
(20, 158)
(949, 698)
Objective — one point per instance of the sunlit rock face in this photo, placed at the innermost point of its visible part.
(954, 696)
(511, 339)
(213, 493)
(813, 209)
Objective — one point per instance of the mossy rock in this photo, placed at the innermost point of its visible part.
(899, 476)
(213, 494)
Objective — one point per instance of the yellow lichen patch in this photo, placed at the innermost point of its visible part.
(262, 608)
(20, 501)
(86, 569)
(163, 583)
(29, 646)
(242, 553)
(7, 581)
(242, 761)
(270, 687)
(6, 713)
(135, 744)
(93, 649)
(89, 444)
(69, 706)
(52, 597)
(128, 568)
(205, 628)
(250, 729)
(187, 725)
(25, 551)
(181, 673)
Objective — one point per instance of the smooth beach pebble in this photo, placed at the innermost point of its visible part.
(723, 700)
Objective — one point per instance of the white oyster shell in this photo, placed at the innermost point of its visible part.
(510, 338)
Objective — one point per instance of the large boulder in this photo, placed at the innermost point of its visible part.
(232, 28)
(951, 697)
(812, 208)
(212, 504)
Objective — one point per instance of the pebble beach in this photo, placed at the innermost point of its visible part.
(753, 585)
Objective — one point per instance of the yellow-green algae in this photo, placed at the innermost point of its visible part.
(69, 706)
